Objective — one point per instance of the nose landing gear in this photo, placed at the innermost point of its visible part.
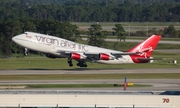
(26, 51)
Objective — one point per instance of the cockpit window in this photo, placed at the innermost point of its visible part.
(25, 33)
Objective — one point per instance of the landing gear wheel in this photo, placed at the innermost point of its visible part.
(85, 65)
(82, 64)
(70, 65)
(70, 62)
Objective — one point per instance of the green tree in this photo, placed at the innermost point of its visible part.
(27, 25)
(96, 36)
(64, 30)
(119, 32)
(68, 31)
(9, 29)
(47, 26)
(60, 14)
(170, 31)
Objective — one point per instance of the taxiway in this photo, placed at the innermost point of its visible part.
(157, 84)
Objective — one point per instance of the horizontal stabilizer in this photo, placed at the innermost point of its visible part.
(126, 53)
(148, 58)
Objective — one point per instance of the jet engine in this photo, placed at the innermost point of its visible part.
(103, 56)
(77, 56)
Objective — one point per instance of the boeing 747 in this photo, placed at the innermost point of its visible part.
(55, 47)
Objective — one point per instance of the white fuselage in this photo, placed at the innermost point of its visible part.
(51, 44)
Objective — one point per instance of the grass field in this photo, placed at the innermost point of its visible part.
(91, 76)
(69, 86)
(80, 85)
(43, 63)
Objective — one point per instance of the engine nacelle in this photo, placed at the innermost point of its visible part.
(77, 56)
(103, 56)
(51, 56)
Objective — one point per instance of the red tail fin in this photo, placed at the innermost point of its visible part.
(145, 48)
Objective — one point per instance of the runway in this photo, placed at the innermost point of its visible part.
(157, 84)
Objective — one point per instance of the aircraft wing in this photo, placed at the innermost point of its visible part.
(96, 55)
(107, 55)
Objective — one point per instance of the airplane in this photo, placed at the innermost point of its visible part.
(55, 47)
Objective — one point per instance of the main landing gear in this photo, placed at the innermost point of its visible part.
(70, 62)
(80, 63)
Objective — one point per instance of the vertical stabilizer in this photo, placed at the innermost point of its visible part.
(145, 48)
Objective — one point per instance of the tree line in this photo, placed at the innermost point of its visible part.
(66, 30)
(92, 10)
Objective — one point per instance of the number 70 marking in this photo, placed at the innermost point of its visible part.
(166, 100)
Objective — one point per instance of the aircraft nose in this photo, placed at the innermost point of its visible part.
(14, 38)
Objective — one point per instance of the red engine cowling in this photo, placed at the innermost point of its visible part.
(103, 56)
(77, 56)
